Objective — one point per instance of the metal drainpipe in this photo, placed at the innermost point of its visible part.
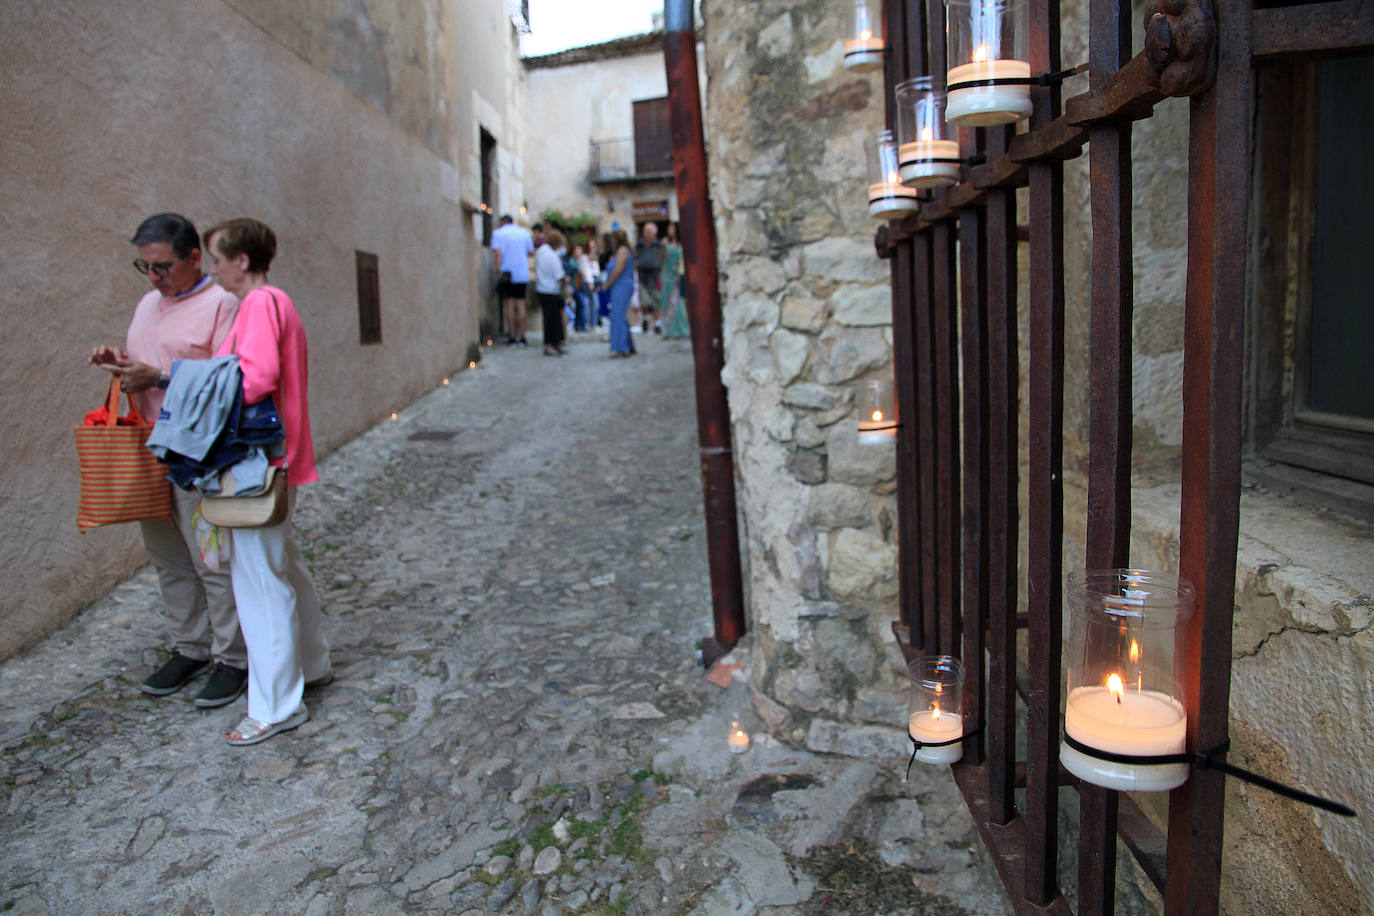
(703, 303)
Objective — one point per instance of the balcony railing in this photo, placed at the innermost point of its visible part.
(621, 160)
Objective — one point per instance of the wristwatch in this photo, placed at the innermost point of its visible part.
(163, 380)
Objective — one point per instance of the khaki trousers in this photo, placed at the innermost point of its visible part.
(199, 603)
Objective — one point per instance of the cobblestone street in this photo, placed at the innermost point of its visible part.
(515, 583)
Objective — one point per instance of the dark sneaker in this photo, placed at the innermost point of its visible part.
(226, 685)
(172, 676)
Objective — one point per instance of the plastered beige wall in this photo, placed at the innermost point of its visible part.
(116, 111)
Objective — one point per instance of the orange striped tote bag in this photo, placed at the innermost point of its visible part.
(121, 481)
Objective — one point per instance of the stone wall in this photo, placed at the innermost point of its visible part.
(807, 314)
(807, 311)
(116, 111)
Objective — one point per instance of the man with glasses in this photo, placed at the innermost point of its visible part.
(185, 316)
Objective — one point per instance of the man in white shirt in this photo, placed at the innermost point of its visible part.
(512, 247)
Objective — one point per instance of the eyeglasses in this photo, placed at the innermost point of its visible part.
(159, 269)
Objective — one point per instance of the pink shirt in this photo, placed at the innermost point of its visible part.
(270, 342)
(166, 328)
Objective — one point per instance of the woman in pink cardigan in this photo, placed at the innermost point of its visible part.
(279, 609)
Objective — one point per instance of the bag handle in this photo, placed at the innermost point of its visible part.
(112, 405)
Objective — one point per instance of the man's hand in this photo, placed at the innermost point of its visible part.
(134, 376)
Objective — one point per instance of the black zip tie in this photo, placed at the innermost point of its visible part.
(917, 745)
(1210, 760)
(1044, 79)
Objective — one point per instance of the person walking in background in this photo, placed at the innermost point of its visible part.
(512, 246)
(548, 285)
(673, 306)
(279, 609)
(589, 268)
(649, 263)
(620, 280)
(185, 316)
(584, 285)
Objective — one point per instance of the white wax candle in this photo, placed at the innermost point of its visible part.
(930, 725)
(863, 53)
(1144, 723)
(890, 200)
(983, 106)
(918, 171)
(738, 740)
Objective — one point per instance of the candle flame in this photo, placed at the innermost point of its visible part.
(1134, 651)
(935, 711)
(472, 365)
(877, 415)
(927, 134)
(1115, 685)
(446, 381)
(893, 178)
(980, 54)
(865, 35)
(393, 415)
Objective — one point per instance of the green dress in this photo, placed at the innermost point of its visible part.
(672, 306)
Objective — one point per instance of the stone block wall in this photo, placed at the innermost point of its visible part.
(807, 315)
(807, 312)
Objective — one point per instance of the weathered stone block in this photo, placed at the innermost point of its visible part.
(867, 741)
(837, 505)
(861, 465)
(804, 312)
(810, 396)
(844, 355)
(862, 306)
(789, 351)
(807, 466)
(862, 565)
(846, 259)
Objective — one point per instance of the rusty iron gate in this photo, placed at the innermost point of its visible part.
(955, 300)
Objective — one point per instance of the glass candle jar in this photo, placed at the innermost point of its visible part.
(875, 402)
(937, 708)
(1124, 692)
(863, 49)
(988, 81)
(927, 156)
(888, 198)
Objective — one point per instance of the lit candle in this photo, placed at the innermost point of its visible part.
(934, 726)
(738, 739)
(888, 198)
(986, 105)
(876, 404)
(927, 157)
(877, 429)
(1122, 679)
(928, 163)
(1125, 721)
(936, 710)
(864, 50)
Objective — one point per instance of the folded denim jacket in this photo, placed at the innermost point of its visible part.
(248, 427)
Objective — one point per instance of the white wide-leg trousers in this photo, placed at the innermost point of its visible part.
(279, 614)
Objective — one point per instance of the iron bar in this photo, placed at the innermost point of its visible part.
(1214, 305)
(1003, 446)
(974, 474)
(944, 304)
(1109, 411)
(1008, 844)
(901, 49)
(1310, 31)
(929, 637)
(1046, 486)
(703, 300)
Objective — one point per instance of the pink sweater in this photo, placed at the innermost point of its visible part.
(270, 342)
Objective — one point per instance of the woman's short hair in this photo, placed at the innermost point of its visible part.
(245, 236)
(554, 238)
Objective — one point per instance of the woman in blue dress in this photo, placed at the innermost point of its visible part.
(620, 278)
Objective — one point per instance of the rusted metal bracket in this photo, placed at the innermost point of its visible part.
(1181, 45)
